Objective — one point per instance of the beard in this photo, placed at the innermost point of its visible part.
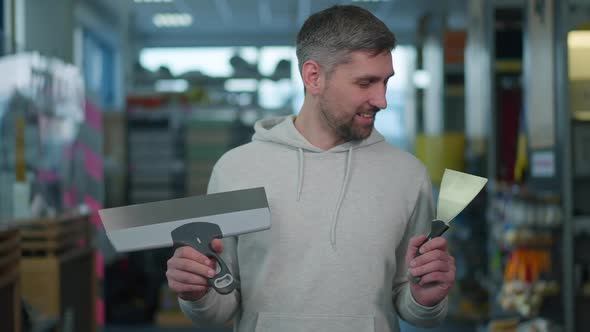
(345, 128)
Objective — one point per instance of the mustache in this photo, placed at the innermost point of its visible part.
(373, 110)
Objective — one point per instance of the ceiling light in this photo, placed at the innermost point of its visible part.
(172, 20)
(421, 79)
(241, 85)
(172, 85)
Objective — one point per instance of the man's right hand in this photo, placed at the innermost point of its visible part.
(188, 271)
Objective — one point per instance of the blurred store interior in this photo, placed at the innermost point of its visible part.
(105, 103)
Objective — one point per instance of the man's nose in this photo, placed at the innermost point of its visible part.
(378, 99)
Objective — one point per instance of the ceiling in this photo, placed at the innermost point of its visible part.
(270, 22)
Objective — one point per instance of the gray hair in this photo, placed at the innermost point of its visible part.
(329, 36)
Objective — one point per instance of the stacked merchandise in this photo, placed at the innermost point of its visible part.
(174, 140)
(526, 233)
(154, 127)
(150, 158)
(579, 103)
(582, 276)
(524, 211)
(155, 157)
(207, 137)
(155, 171)
(41, 110)
(50, 156)
(206, 141)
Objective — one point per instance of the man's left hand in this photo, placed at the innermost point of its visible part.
(434, 266)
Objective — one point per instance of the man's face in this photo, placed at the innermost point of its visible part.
(354, 93)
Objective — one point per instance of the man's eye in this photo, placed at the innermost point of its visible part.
(364, 84)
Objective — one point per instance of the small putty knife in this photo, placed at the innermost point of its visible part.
(457, 190)
(192, 221)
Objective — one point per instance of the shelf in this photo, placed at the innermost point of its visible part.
(508, 66)
(454, 68)
(581, 116)
(455, 90)
(581, 224)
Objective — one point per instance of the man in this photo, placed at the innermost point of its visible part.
(348, 210)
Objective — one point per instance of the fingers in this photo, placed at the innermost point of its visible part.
(431, 256)
(188, 271)
(413, 246)
(186, 277)
(439, 243)
(217, 245)
(183, 279)
(191, 254)
(183, 288)
(433, 266)
(190, 266)
(443, 279)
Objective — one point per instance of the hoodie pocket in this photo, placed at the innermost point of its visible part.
(275, 322)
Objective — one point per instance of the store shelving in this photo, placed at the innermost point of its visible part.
(155, 156)
(573, 131)
(581, 224)
(526, 239)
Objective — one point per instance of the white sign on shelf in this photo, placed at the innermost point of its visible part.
(543, 164)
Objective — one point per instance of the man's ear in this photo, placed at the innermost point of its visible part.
(312, 76)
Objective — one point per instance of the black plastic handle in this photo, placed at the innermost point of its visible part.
(438, 228)
(199, 236)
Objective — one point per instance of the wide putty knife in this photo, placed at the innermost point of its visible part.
(192, 221)
(457, 190)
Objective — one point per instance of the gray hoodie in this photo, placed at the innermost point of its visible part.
(333, 259)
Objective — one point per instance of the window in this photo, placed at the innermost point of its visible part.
(99, 69)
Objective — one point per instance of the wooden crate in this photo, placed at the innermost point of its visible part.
(10, 297)
(58, 270)
(51, 236)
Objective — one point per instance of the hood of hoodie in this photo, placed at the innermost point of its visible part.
(281, 130)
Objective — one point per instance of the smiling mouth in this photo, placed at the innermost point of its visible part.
(366, 115)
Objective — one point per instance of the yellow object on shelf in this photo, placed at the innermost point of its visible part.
(438, 152)
(509, 66)
(503, 325)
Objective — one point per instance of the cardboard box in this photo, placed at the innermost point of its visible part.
(58, 250)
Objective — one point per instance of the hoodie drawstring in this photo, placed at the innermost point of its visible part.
(300, 174)
(340, 195)
(340, 199)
